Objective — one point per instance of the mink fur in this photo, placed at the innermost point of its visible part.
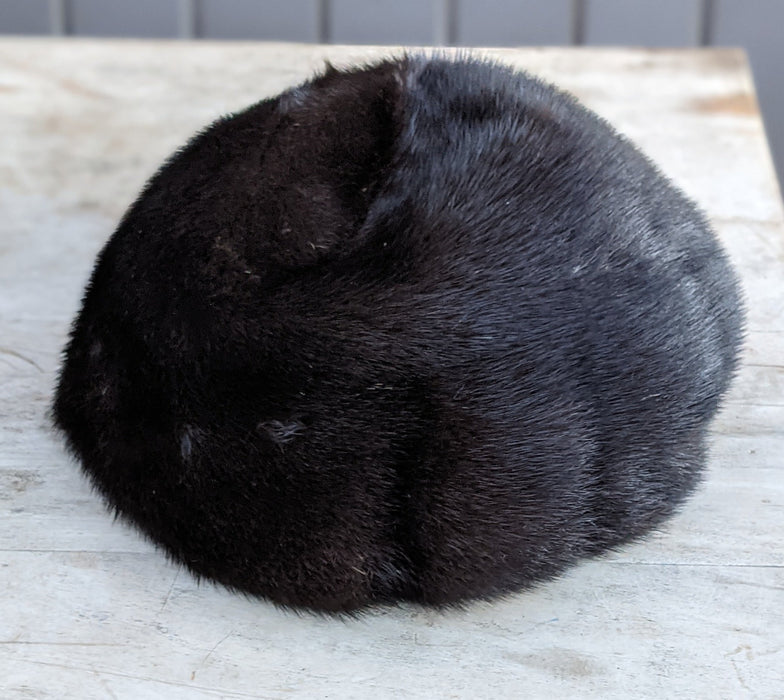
(426, 330)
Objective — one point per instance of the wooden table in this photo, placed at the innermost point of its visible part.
(88, 609)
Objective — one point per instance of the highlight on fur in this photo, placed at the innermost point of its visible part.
(426, 330)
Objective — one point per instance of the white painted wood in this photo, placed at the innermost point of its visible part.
(89, 609)
(758, 26)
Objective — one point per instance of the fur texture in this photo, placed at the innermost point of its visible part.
(427, 330)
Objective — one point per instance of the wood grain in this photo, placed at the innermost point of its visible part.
(91, 610)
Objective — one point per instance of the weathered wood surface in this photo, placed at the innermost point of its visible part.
(88, 609)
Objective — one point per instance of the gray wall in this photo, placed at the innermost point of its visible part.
(754, 24)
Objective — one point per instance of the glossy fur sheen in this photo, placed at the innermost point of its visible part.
(427, 330)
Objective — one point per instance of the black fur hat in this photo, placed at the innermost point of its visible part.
(427, 330)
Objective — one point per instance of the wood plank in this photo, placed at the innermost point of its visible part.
(91, 609)
(592, 633)
(757, 27)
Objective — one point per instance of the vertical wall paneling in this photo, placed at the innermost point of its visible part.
(323, 17)
(24, 17)
(278, 20)
(58, 17)
(706, 22)
(444, 24)
(643, 22)
(382, 22)
(513, 22)
(578, 22)
(139, 18)
(186, 19)
(757, 26)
